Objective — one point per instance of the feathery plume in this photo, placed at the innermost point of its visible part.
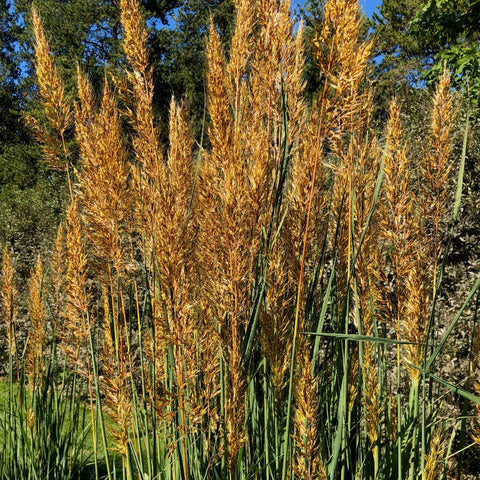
(435, 456)
(221, 130)
(241, 48)
(8, 293)
(56, 106)
(400, 234)
(145, 142)
(275, 323)
(118, 403)
(49, 83)
(308, 463)
(415, 314)
(343, 60)
(76, 324)
(436, 169)
(135, 35)
(103, 184)
(34, 364)
(398, 230)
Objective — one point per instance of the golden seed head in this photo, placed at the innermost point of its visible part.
(135, 35)
(57, 108)
(34, 366)
(8, 293)
(435, 457)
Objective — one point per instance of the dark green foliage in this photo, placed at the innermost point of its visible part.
(401, 55)
(32, 199)
(313, 17)
(9, 75)
(453, 26)
(416, 39)
(85, 32)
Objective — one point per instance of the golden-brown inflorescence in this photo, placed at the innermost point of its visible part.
(341, 124)
(241, 51)
(307, 460)
(367, 308)
(74, 327)
(50, 85)
(237, 184)
(436, 169)
(225, 255)
(221, 128)
(436, 165)
(173, 239)
(366, 290)
(343, 60)
(337, 46)
(116, 378)
(163, 191)
(277, 88)
(173, 231)
(57, 107)
(103, 181)
(400, 232)
(435, 458)
(415, 314)
(371, 396)
(276, 327)
(8, 293)
(410, 225)
(34, 356)
(308, 173)
(150, 195)
(398, 200)
(145, 142)
(135, 35)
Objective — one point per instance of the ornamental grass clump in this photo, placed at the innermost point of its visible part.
(261, 306)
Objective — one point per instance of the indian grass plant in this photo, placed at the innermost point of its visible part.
(261, 305)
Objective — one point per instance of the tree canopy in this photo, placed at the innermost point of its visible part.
(417, 39)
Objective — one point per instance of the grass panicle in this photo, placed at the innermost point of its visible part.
(8, 292)
(57, 108)
(34, 357)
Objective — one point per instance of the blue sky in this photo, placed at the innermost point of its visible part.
(369, 6)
